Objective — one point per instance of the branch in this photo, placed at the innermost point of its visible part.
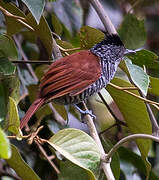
(109, 27)
(129, 138)
(93, 132)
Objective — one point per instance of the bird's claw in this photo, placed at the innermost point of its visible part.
(89, 112)
(85, 112)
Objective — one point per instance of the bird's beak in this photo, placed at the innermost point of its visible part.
(129, 52)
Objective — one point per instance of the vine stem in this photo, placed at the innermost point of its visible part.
(126, 139)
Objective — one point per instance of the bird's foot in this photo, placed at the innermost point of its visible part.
(85, 112)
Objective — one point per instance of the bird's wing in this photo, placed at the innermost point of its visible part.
(70, 75)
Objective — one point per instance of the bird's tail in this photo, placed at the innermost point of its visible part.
(32, 109)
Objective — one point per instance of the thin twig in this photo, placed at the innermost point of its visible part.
(47, 157)
(67, 50)
(32, 62)
(93, 132)
(129, 138)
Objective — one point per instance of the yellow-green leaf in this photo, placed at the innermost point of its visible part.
(13, 117)
(5, 151)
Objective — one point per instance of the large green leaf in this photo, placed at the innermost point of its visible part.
(145, 57)
(43, 31)
(90, 36)
(134, 112)
(20, 166)
(138, 76)
(79, 148)
(36, 8)
(5, 151)
(132, 32)
(8, 48)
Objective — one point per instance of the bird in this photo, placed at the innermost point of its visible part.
(73, 78)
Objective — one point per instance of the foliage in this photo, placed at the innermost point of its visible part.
(28, 32)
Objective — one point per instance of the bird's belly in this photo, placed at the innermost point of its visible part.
(92, 89)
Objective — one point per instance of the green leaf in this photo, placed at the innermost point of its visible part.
(90, 36)
(79, 148)
(154, 86)
(13, 117)
(134, 112)
(147, 58)
(132, 32)
(20, 166)
(36, 7)
(138, 76)
(43, 31)
(131, 157)
(6, 67)
(5, 151)
(9, 86)
(8, 48)
(71, 171)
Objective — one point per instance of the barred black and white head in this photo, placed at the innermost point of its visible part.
(110, 49)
